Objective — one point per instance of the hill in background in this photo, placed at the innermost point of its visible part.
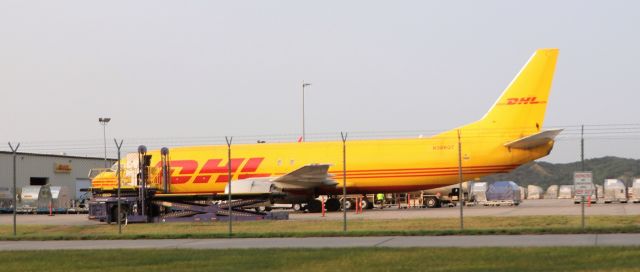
(544, 174)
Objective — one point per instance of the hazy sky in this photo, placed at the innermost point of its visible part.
(188, 71)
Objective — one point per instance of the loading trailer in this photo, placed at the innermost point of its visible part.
(145, 196)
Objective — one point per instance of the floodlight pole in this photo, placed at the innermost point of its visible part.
(119, 146)
(15, 190)
(104, 121)
(344, 180)
(460, 194)
(582, 148)
(229, 140)
(582, 198)
(304, 136)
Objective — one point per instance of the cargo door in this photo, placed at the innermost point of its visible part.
(131, 170)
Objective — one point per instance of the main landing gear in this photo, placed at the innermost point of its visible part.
(333, 204)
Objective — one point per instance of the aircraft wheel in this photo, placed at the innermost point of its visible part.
(366, 204)
(349, 205)
(332, 204)
(314, 206)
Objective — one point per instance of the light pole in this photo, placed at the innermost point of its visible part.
(103, 121)
(307, 84)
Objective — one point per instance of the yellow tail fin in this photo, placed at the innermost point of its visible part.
(521, 107)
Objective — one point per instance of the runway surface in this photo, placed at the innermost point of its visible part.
(550, 240)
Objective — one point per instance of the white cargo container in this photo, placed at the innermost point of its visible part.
(534, 192)
(552, 192)
(479, 192)
(614, 191)
(599, 191)
(523, 193)
(6, 199)
(565, 192)
(28, 201)
(636, 191)
(44, 199)
(61, 198)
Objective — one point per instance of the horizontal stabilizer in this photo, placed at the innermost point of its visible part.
(534, 140)
(308, 176)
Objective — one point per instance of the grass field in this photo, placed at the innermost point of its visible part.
(291, 228)
(349, 259)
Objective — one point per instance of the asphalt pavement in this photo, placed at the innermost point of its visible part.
(556, 207)
(551, 240)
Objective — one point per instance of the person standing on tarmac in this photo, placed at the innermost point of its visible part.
(380, 198)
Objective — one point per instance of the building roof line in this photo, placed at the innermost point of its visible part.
(56, 156)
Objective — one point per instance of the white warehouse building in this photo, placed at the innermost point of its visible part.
(46, 169)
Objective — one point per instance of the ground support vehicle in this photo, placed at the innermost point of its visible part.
(133, 210)
(445, 197)
(145, 197)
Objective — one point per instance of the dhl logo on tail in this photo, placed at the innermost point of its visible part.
(523, 101)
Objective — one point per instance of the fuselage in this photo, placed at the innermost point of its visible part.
(395, 165)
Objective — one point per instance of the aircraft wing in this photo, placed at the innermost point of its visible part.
(308, 176)
(534, 140)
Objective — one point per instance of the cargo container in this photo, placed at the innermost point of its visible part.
(534, 192)
(61, 199)
(614, 191)
(44, 200)
(635, 196)
(523, 193)
(28, 202)
(6, 200)
(565, 192)
(503, 193)
(599, 191)
(479, 192)
(552, 192)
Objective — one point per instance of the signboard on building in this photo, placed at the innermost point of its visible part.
(62, 168)
(583, 183)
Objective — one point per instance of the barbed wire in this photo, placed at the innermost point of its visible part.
(95, 147)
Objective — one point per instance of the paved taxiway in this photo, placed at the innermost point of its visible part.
(341, 242)
(528, 207)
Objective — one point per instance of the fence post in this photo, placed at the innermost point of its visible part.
(15, 190)
(119, 146)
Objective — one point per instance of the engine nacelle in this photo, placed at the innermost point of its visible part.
(251, 187)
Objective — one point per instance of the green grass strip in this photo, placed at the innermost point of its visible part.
(342, 259)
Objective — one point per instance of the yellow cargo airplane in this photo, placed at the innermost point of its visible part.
(509, 135)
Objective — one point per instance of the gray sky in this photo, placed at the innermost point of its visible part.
(181, 72)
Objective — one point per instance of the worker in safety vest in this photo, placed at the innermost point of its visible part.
(380, 199)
